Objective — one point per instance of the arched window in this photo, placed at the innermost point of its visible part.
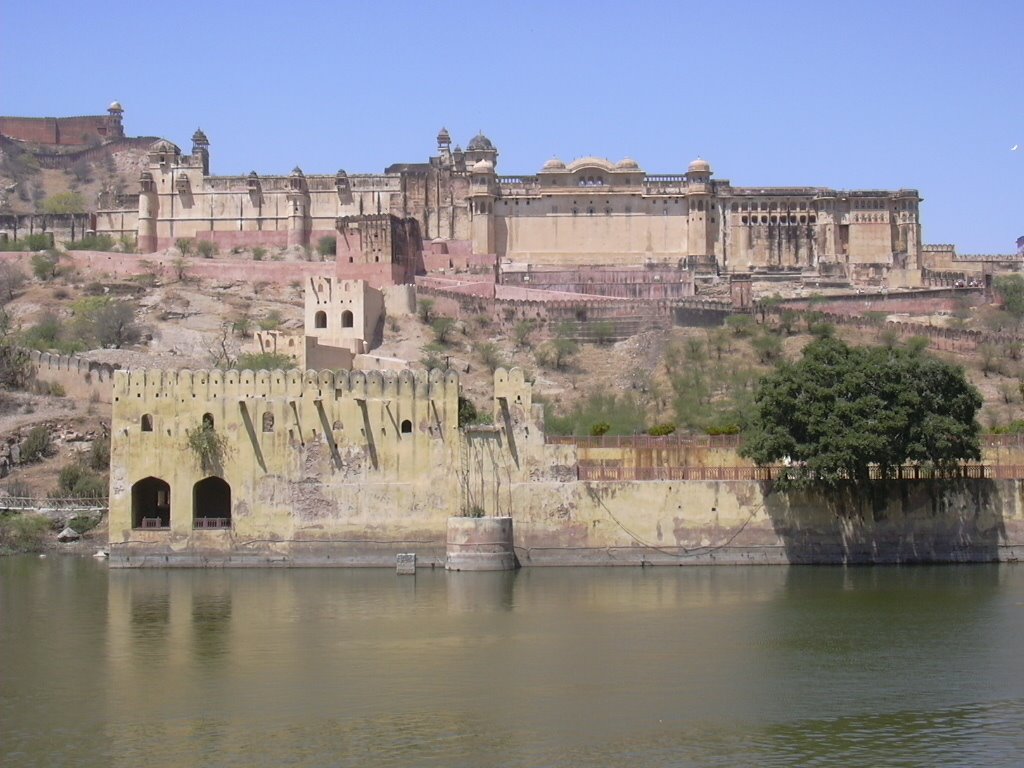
(268, 422)
(151, 503)
(406, 427)
(147, 423)
(320, 319)
(211, 504)
(208, 420)
(346, 319)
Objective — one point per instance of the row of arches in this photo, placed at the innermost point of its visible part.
(320, 319)
(151, 503)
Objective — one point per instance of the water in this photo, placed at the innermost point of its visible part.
(545, 667)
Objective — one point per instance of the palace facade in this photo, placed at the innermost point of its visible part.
(590, 211)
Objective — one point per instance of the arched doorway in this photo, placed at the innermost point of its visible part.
(346, 319)
(211, 503)
(151, 503)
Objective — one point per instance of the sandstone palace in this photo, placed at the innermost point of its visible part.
(590, 211)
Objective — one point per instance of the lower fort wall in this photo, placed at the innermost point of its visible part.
(352, 469)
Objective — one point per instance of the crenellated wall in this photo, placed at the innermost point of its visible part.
(351, 469)
(80, 378)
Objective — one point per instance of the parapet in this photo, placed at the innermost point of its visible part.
(199, 386)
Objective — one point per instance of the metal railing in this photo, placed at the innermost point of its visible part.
(53, 504)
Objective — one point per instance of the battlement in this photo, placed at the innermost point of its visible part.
(186, 386)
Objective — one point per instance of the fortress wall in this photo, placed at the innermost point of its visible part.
(61, 131)
(726, 522)
(81, 379)
(362, 458)
(333, 483)
(62, 226)
(95, 264)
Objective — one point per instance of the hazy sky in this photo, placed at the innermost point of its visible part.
(927, 95)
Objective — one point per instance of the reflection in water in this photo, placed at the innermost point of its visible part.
(554, 667)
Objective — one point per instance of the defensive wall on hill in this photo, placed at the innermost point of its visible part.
(81, 379)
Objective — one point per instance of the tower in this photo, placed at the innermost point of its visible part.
(201, 150)
(482, 193)
(700, 231)
(115, 126)
(298, 208)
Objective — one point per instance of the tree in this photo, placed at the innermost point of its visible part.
(11, 281)
(64, 202)
(840, 410)
(46, 265)
(443, 328)
(1011, 289)
(425, 309)
(106, 322)
(327, 245)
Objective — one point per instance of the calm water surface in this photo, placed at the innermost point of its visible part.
(545, 667)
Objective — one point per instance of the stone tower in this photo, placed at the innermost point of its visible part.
(700, 239)
(201, 150)
(482, 194)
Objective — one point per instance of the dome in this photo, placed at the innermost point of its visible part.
(700, 165)
(627, 164)
(296, 171)
(591, 162)
(443, 137)
(483, 166)
(479, 142)
(115, 106)
(163, 145)
(554, 164)
(199, 137)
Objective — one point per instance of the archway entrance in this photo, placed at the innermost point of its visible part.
(211, 504)
(151, 503)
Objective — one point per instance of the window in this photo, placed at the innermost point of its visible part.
(320, 319)
(346, 319)
(268, 422)
(406, 427)
(208, 420)
(147, 423)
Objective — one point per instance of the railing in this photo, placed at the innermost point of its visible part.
(599, 473)
(153, 522)
(55, 504)
(211, 522)
(647, 441)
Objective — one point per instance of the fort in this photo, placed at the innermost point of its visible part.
(590, 212)
(340, 462)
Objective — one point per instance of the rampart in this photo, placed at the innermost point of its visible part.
(81, 379)
(325, 469)
(62, 227)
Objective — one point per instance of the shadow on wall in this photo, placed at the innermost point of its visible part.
(916, 521)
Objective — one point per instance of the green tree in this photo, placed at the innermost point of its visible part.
(327, 245)
(1011, 289)
(46, 266)
(444, 328)
(840, 410)
(264, 361)
(64, 202)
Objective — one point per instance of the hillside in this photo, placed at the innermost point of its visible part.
(697, 379)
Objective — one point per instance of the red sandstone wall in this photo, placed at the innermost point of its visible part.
(60, 131)
(94, 264)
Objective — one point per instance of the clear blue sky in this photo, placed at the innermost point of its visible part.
(850, 95)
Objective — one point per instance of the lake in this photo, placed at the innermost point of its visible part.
(702, 666)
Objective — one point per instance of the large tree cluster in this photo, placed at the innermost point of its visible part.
(841, 411)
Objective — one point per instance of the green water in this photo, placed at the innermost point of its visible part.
(545, 667)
